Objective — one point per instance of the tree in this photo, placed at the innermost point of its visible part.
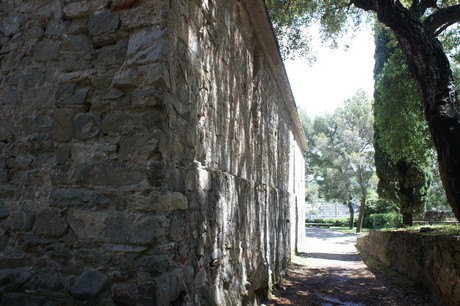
(312, 190)
(342, 157)
(402, 143)
(416, 25)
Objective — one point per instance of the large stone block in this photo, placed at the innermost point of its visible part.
(138, 146)
(38, 98)
(10, 24)
(63, 125)
(156, 171)
(112, 54)
(10, 276)
(77, 42)
(103, 21)
(88, 225)
(49, 224)
(69, 94)
(134, 294)
(9, 97)
(6, 130)
(156, 75)
(144, 15)
(171, 201)
(32, 123)
(78, 198)
(89, 284)
(32, 79)
(150, 229)
(157, 291)
(107, 174)
(123, 121)
(51, 281)
(46, 50)
(147, 46)
(13, 298)
(84, 8)
(152, 263)
(4, 210)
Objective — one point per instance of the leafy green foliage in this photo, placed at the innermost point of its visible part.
(340, 158)
(292, 18)
(399, 114)
(402, 140)
(385, 220)
(340, 222)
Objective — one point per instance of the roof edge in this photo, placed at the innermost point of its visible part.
(259, 16)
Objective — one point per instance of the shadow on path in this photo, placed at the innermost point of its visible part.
(329, 256)
(329, 271)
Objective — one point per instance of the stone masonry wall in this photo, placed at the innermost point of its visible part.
(433, 260)
(150, 153)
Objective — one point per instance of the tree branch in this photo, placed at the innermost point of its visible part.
(367, 5)
(419, 7)
(443, 18)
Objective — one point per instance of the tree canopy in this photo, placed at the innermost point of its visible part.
(341, 156)
(416, 25)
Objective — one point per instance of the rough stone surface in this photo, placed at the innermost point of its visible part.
(89, 284)
(151, 144)
(50, 223)
(103, 21)
(433, 260)
(87, 125)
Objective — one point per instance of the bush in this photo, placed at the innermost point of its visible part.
(385, 220)
(339, 222)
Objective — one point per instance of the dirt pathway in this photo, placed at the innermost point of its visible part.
(329, 271)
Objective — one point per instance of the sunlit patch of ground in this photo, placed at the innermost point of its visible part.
(329, 271)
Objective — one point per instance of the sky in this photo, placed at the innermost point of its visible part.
(335, 76)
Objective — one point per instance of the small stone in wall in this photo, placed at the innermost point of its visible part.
(102, 22)
(87, 125)
(9, 25)
(83, 8)
(89, 284)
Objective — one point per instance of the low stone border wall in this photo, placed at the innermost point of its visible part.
(425, 257)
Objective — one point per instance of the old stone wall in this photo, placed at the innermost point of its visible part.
(433, 260)
(150, 153)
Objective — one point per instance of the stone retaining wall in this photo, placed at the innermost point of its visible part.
(150, 153)
(433, 260)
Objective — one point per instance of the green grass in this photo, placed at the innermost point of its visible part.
(347, 230)
(451, 230)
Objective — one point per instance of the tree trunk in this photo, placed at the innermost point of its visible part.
(352, 214)
(441, 107)
(361, 214)
(407, 218)
(430, 67)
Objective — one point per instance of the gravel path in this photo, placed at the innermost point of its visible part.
(329, 271)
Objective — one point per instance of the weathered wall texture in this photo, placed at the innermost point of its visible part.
(150, 153)
(433, 260)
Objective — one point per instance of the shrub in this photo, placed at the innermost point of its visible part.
(339, 222)
(385, 220)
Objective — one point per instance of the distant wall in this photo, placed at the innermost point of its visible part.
(150, 153)
(433, 260)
